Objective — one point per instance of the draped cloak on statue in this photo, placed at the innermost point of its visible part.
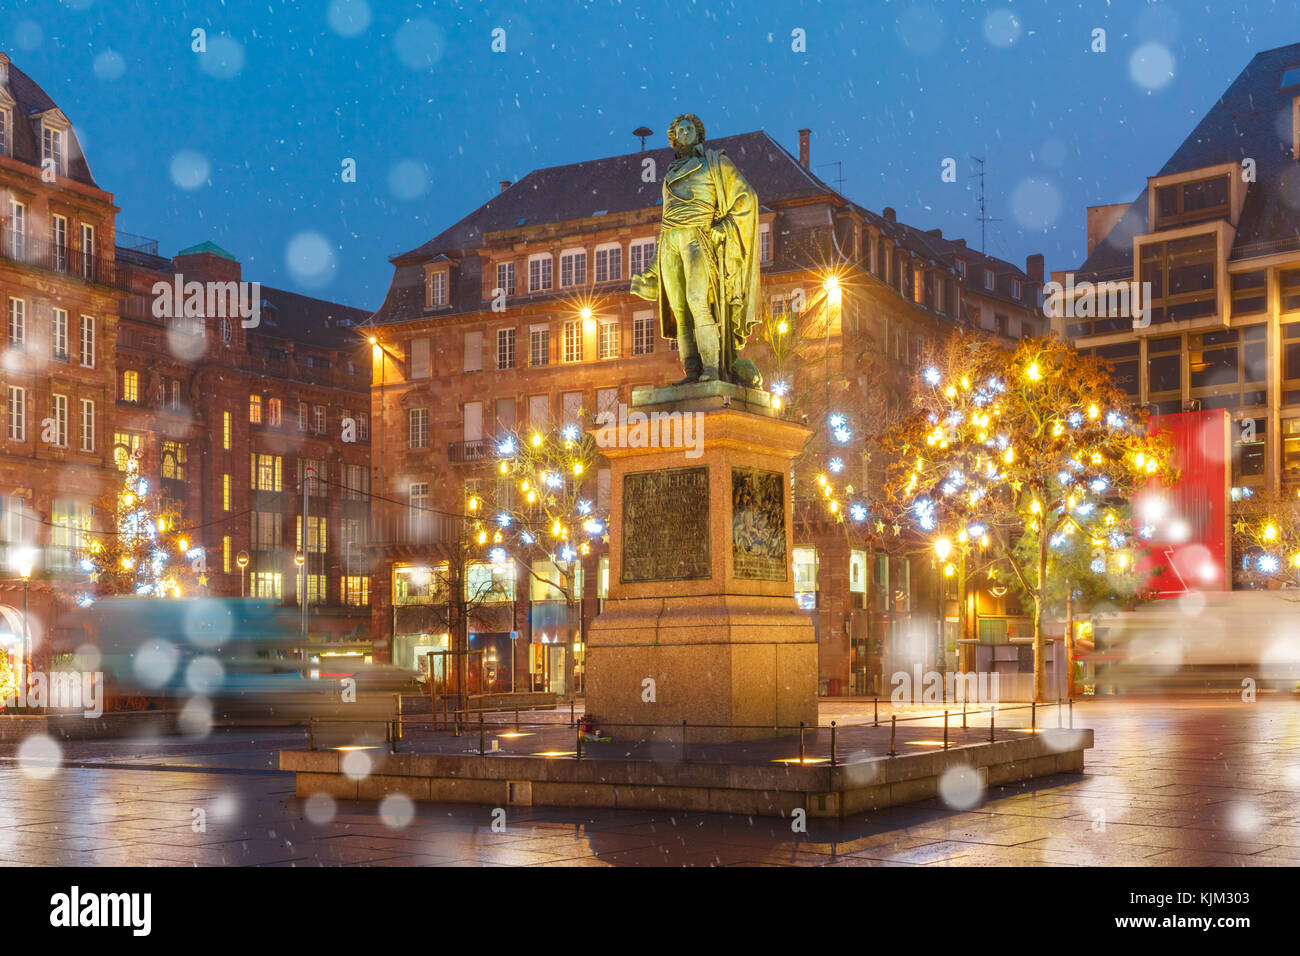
(733, 286)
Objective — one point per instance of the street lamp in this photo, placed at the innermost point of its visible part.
(300, 559)
(241, 559)
(24, 559)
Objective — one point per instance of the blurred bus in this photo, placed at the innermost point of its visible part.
(1203, 641)
(246, 657)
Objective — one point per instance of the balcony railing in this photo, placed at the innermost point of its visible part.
(412, 527)
(464, 451)
(59, 257)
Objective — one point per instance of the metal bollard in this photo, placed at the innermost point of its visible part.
(875, 712)
(1058, 713)
(801, 750)
(1071, 713)
(311, 733)
(398, 699)
(1033, 716)
(893, 734)
(577, 754)
(684, 757)
(392, 736)
(832, 743)
(481, 736)
(963, 715)
(573, 720)
(993, 716)
(945, 730)
(516, 720)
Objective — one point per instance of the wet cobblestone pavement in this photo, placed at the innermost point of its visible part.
(1171, 782)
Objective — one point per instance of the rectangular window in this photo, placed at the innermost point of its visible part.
(225, 492)
(87, 425)
(506, 278)
(268, 585)
(255, 409)
(539, 410)
(227, 425)
(539, 346)
(302, 416)
(643, 333)
(70, 521)
(315, 534)
(1289, 290)
(59, 412)
(355, 590)
(225, 554)
(437, 289)
(1183, 204)
(17, 323)
(59, 334)
(17, 230)
(419, 358)
(641, 255)
(266, 472)
(264, 530)
(1182, 277)
(765, 243)
(273, 411)
(1249, 452)
(59, 242)
(417, 428)
(474, 351)
(805, 577)
(4, 132)
(319, 412)
(125, 444)
(505, 348)
(53, 155)
(539, 273)
(363, 426)
(87, 251)
(573, 341)
(609, 263)
(609, 344)
(990, 280)
(130, 386)
(356, 482)
(17, 413)
(87, 341)
(573, 268)
(316, 473)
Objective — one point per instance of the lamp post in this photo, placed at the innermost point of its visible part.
(24, 560)
(300, 559)
(241, 559)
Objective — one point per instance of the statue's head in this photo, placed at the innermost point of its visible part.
(685, 133)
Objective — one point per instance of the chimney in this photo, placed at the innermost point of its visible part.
(505, 184)
(960, 242)
(937, 233)
(1034, 266)
(4, 69)
(889, 214)
(805, 153)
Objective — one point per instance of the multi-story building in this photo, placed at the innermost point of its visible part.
(520, 316)
(97, 366)
(1216, 235)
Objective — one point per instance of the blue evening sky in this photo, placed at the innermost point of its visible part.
(243, 145)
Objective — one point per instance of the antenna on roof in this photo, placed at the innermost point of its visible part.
(839, 180)
(643, 132)
(983, 217)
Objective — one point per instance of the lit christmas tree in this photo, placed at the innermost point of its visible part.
(147, 554)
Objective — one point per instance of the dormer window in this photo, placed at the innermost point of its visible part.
(53, 150)
(6, 116)
(990, 280)
(765, 243)
(1290, 77)
(1015, 289)
(437, 292)
(1183, 204)
(961, 267)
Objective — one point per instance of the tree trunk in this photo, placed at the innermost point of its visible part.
(1040, 667)
(1069, 639)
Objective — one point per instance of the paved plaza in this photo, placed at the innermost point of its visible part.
(1171, 782)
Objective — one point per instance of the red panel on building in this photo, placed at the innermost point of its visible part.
(1190, 519)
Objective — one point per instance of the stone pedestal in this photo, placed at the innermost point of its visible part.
(701, 623)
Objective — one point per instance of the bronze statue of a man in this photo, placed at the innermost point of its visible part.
(705, 276)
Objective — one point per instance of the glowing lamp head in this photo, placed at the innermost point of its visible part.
(586, 313)
(942, 548)
(24, 560)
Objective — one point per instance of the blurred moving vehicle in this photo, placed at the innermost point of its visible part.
(244, 657)
(1202, 641)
